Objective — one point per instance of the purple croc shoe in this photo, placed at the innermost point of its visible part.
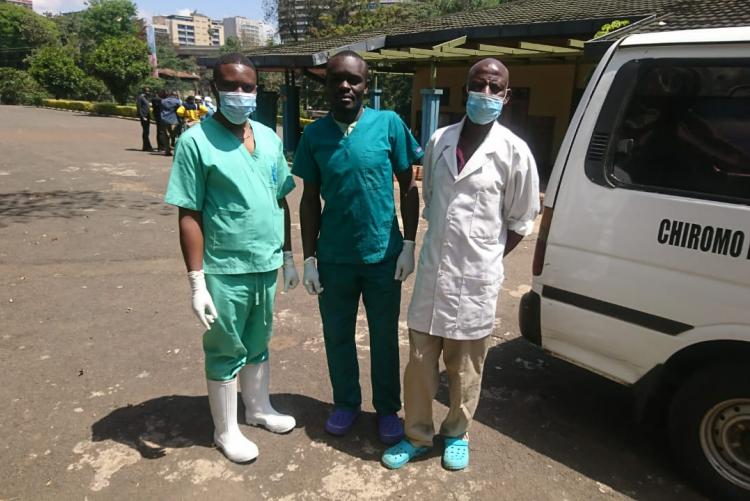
(341, 421)
(390, 428)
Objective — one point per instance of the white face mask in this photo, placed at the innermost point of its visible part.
(237, 106)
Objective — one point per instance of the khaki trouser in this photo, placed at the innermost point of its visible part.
(464, 361)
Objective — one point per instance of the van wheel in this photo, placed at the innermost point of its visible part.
(709, 427)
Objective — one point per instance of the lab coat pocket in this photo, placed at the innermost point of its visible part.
(228, 230)
(486, 219)
(475, 304)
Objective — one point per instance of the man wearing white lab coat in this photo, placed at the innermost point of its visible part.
(481, 194)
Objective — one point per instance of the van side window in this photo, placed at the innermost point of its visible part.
(685, 130)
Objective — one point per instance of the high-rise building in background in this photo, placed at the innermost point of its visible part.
(195, 29)
(249, 31)
(295, 16)
(294, 19)
(23, 3)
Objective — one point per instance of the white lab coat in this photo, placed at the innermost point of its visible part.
(460, 269)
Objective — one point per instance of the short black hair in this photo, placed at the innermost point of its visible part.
(233, 58)
(348, 53)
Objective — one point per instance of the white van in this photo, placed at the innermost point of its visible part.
(642, 266)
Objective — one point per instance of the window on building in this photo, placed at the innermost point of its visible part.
(685, 129)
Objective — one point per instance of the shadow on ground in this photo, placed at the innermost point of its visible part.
(24, 206)
(152, 426)
(361, 442)
(573, 417)
(178, 421)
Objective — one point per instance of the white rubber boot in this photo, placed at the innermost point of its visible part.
(258, 411)
(222, 398)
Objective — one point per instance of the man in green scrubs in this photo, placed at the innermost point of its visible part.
(229, 179)
(353, 247)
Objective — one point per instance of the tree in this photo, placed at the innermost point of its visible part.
(288, 14)
(18, 87)
(70, 25)
(120, 63)
(105, 19)
(56, 70)
(241, 45)
(167, 57)
(92, 89)
(327, 18)
(22, 31)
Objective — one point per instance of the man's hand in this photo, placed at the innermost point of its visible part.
(310, 278)
(201, 300)
(405, 263)
(291, 279)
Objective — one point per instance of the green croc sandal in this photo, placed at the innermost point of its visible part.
(397, 456)
(456, 453)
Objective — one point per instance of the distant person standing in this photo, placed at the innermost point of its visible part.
(191, 112)
(210, 106)
(170, 120)
(156, 110)
(144, 108)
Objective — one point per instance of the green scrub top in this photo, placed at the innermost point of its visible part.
(355, 175)
(237, 194)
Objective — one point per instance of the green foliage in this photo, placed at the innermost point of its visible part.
(56, 70)
(343, 17)
(22, 31)
(93, 89)
(66, 104)
(18, 87)
(69, 25)
(231, 44)
(97, 108)
(167, 57)
(397, 94)
(105, 19)
(114, 109)
(610, 27)
(154, 84)
(120, 63)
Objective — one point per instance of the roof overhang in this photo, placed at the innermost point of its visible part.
(451, 51)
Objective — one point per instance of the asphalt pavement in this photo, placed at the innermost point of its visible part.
(103, 395)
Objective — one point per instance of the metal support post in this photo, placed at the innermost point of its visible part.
(375, 98)
(430, 113)
(291, 117)
(267, 108)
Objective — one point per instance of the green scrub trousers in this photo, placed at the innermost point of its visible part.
(381, 294)
(241, 334)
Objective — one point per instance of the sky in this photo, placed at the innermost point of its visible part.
(215, 9)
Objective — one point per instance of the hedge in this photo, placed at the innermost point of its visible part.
(96, 108)
(117, 110)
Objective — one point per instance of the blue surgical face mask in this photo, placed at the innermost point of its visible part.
(483, 108)
(236, 106)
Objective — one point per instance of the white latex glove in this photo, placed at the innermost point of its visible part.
(291, 279)
(310, 277)
(405, 263)
(201, 300)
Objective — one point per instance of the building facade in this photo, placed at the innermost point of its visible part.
(249, 31)
(294, 20)
(196, 29)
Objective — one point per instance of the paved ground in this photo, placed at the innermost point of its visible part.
(103, 395)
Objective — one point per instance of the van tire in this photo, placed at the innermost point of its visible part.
(711, 396)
